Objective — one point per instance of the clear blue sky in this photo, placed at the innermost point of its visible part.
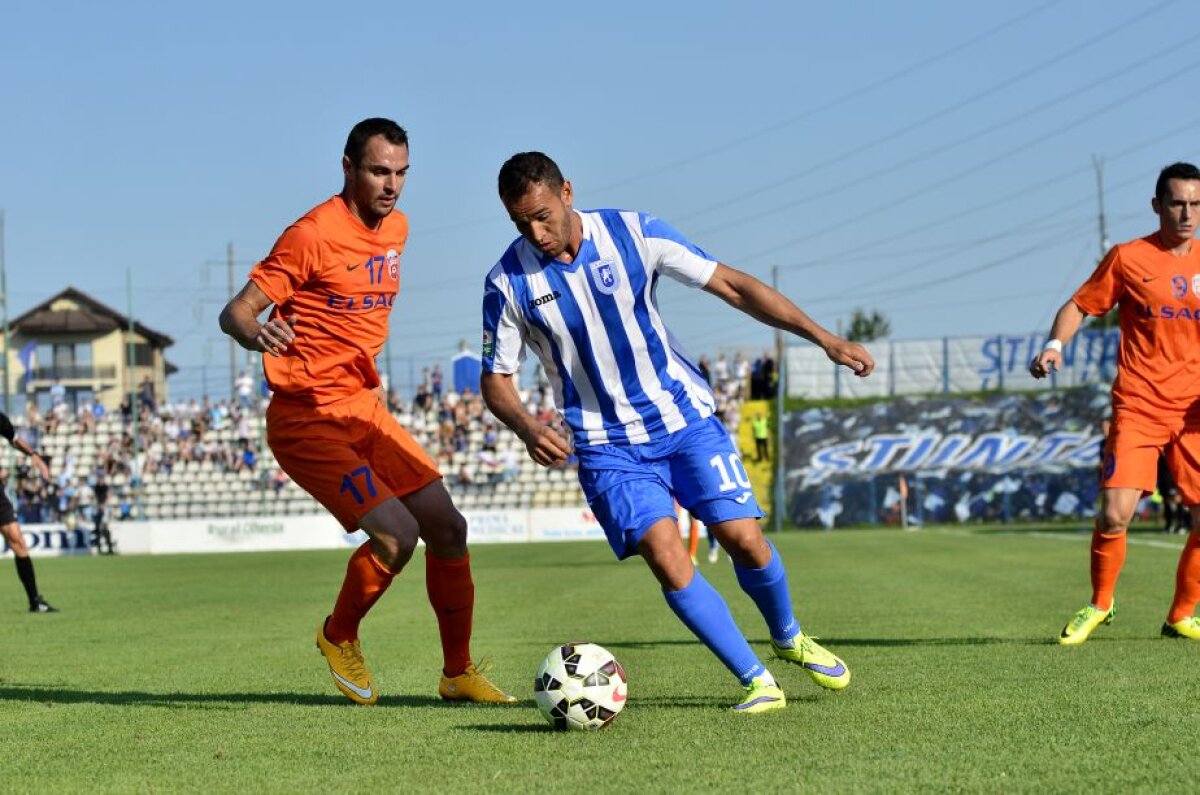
(932, 160)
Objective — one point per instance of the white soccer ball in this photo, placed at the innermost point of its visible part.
(580, 687)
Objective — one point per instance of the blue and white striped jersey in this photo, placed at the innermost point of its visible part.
(619, 376)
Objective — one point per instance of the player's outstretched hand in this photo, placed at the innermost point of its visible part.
(1046, 362)
(546, 446)
(276, 335)
(852, 355)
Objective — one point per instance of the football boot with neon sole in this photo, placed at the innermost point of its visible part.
(762, 695)
(472, 685)
(1084, 623)
(825, 668)
(1187, 628)
(348, 668)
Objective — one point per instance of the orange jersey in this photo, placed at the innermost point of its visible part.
(1158, 366)
(341, 280)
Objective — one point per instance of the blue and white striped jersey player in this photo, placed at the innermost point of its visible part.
(579, 289)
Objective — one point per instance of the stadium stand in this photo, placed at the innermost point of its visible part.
(199, 459)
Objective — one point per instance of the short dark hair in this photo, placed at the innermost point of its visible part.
(1174, 171)
(524, 169)
(365, 130)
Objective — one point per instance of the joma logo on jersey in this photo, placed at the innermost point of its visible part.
(363, 303)
(545, 299)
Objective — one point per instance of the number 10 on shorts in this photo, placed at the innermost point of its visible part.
(736, 466)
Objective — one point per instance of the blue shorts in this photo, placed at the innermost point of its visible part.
(630, 487)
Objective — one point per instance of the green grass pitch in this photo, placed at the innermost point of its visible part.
(199, 673)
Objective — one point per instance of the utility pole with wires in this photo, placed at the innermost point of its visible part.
(228, 263)
(4, 311)
(1102, 224)
(1111, 319)
(779, 496)
(232, 343)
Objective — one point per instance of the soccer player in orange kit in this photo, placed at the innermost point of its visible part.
(333, 277)
(1156, 396)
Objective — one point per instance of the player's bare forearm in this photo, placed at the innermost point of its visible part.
(1066, 323)
(500, 394)
(544, 444)
(239, 319)
(767, 305)
(38, 460)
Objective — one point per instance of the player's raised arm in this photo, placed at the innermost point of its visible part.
(544, 444)
(239, 319)
(1066, 323)
(767, 305)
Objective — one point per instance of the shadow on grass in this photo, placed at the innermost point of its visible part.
(60, 695)
(834, 643)
(513, 728)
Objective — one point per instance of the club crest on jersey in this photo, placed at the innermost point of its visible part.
(604, 276)
(1196, 283)
(393, 263)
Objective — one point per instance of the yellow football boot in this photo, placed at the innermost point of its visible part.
(348, 668)
(472, 685)
(1084, 623)
(762, 695)
(1187, 628)
(823, 666)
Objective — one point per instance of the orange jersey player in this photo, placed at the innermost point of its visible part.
(332, 278)
(1155, 281)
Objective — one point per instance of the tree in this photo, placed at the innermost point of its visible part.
(865, 328)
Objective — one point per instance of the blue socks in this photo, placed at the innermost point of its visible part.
(768, 587)
(705, 613)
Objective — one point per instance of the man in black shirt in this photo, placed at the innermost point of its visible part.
(11, 530)
(102, 535)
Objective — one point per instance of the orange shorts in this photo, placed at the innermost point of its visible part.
(350, 455)
(1134, 444)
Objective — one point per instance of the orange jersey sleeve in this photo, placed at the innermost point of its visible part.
(340, 280)
(1158, 365)
(1102, 290)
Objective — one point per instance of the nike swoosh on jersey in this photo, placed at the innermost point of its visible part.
(744, 498)
(1148, 279)
(352, 267)
(361, 692)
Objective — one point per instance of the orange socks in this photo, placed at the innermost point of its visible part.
(452, 595)
(1187, 581)
(366, 580)
(693, 538)
(1108, 556)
